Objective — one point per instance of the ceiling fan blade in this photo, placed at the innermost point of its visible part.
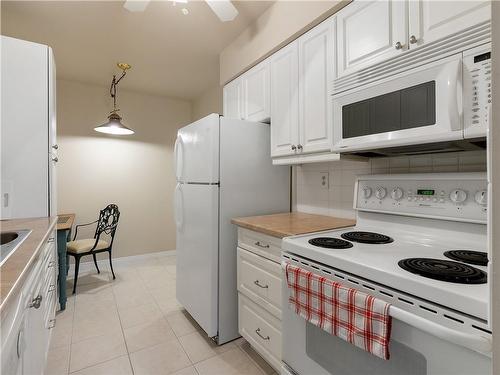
(224, 9)
(136, 5)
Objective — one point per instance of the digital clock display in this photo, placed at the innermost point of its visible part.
(425, 192)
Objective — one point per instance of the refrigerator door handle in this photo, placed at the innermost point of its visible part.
(179, 207)
(179, 160)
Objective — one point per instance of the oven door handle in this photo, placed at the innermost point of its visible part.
(478, 343)
(481, 344)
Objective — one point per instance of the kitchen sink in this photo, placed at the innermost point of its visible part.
(10, 241)
(7, 237)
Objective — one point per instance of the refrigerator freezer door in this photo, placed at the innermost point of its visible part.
(197, 151)
(197, 215)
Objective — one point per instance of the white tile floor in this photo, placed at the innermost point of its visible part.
(134, 325)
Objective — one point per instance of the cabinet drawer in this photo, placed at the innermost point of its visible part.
(267, 246)
(260, 279)
(261, 330)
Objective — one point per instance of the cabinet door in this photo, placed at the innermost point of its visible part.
(256, 90)
(285, 100)
(432, 20)
(232, 99)
(316, 67)
(369, 32)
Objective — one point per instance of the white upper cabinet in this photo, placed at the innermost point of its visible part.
(285, 101)
(248, 96)
(369, 32)
(316, 70)
(232, 99)
(256, 93)
(432, 20)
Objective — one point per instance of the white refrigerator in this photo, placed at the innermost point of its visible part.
(223, 170)
(28, 130)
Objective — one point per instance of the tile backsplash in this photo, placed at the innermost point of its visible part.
(334, 195)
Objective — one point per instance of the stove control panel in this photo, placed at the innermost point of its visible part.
(449, 196)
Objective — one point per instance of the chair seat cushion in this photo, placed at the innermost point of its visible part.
(84, 245)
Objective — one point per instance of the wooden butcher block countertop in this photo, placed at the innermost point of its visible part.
(18, 264)
(291, 223)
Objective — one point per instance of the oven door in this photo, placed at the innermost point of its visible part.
(308, 350)
(422, 105)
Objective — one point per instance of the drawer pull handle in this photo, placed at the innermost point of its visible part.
(51, 239)
(51, 264)
(36, 302)
(256, 282)
(257, 331)
(52, 323)
(258, 243)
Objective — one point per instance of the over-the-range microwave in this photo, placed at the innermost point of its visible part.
(428, 108)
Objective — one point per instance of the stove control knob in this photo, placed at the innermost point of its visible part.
(367, 192)
(381, 192)
(458, 196)
(481, 197)
(397, 193)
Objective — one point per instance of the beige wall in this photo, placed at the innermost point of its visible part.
(209, 102)
(280, 24)
(135, 172)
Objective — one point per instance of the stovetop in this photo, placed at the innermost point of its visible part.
(379, 262)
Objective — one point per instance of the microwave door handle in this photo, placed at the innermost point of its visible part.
(475, 342)
(455, 106)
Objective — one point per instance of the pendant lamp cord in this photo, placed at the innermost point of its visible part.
(112, 89)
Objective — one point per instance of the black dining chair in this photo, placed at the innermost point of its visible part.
(106, 225)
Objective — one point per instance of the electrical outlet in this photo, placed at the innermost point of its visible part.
(324, 180)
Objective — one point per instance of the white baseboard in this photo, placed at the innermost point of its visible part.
(132, 258)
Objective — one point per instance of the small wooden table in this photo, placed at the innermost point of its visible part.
(64, 226)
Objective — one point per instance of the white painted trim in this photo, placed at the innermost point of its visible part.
(494, 204)
(132, 258)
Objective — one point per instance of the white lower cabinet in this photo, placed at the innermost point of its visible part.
(259, 293)
(27, 320)
(261, 329)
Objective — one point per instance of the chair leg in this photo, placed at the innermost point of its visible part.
(111, 265)
(77, 266)
(95, 262)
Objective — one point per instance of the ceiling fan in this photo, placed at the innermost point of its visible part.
(224, 9)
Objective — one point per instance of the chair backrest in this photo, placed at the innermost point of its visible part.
(108, 221)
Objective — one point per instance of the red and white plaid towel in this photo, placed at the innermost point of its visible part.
(354, 316)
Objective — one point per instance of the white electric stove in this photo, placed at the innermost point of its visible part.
(420, 243)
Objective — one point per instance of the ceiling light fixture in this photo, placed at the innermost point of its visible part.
(114, 125)
(185, 11)
(224, 9)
